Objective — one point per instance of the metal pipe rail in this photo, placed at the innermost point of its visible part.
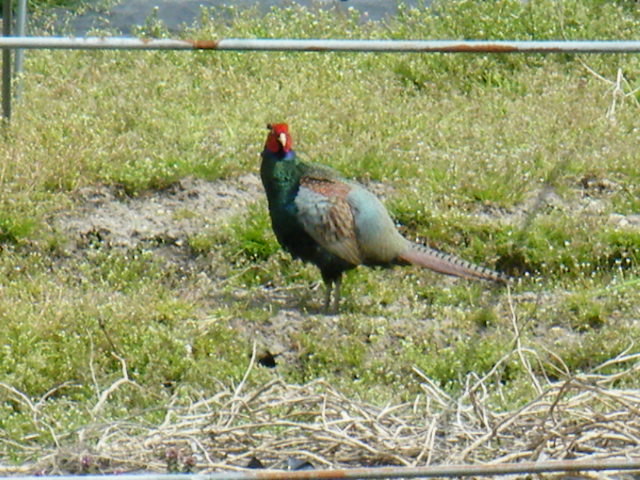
(379, 472)
(320, 45)
(7, 43)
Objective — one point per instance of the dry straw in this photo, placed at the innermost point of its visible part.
(584, 417)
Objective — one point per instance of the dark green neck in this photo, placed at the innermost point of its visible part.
(280, 175)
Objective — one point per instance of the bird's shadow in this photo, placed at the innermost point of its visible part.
(305, 298)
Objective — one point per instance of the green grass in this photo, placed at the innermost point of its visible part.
(465, 144)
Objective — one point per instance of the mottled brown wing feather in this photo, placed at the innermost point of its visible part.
(326, 215)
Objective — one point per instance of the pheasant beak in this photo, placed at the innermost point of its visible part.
(282, 139)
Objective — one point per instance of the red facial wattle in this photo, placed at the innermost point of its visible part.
(279, 139)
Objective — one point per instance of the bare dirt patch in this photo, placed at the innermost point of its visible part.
(104, 213)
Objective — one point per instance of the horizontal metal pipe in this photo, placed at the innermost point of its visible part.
(318, 45)
(379, 472)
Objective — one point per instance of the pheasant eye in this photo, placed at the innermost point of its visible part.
(269, 126)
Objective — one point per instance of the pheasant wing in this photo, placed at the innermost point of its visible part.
(327, 216)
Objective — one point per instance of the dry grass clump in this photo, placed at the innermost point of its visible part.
(589, 415)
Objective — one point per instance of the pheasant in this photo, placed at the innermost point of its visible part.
(320, 217)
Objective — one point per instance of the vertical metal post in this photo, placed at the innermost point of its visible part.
(6, 61)
(21, 27)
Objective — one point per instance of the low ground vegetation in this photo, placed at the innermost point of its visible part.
(140, 282)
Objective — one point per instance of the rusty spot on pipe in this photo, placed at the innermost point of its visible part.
(302, 474)
(204, 44)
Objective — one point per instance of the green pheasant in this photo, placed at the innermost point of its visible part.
(322, 218)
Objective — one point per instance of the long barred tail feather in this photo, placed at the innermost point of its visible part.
(449, 264)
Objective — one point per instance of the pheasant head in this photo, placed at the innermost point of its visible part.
(279, 139)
